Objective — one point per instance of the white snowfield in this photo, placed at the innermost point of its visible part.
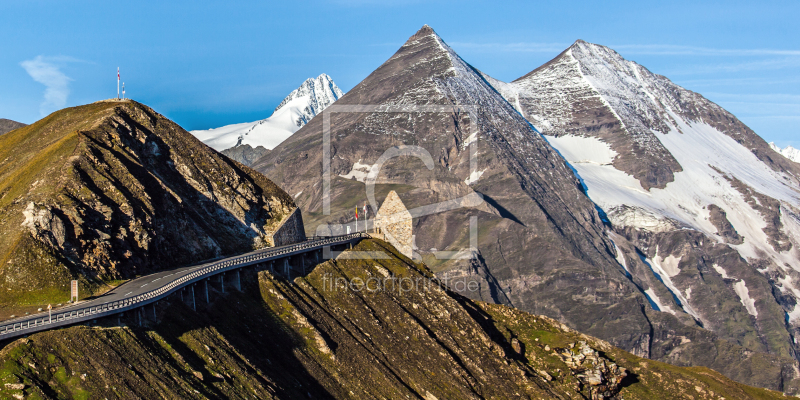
(788, 152)
(641, 100)
(305, 102)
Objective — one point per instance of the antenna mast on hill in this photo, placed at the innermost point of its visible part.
(123, 90)
(117, 83)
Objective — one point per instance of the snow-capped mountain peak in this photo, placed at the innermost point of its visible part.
(788, 152)
(677, 175)
(319, 93)
(296, 110)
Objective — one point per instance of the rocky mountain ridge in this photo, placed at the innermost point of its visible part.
(111, 190)
(7, 125)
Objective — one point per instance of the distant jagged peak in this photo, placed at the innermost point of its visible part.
(788, 152)
(321, 91)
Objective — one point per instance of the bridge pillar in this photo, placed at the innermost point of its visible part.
(222, 282)
(155, 316)
(286, 268)
(205, 284)
(194, 306)
(272, 267)
(239, 280)
(303, 262)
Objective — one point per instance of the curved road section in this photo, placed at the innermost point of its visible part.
(151, 288)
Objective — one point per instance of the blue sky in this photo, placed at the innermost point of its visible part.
(210, 63)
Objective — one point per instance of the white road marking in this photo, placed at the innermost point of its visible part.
(143, 285)
(126, 294)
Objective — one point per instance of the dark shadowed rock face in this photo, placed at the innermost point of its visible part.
(111, 190)
(310, 338)
(245, 153)
(541, 245)
(7, 125)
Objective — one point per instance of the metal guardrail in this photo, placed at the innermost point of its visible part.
(40, 323)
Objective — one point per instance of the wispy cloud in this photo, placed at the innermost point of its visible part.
(648, 49)
(762, 65)
(749, 81)
(671, 50)
(46, 70)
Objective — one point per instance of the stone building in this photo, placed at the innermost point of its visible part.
(291, 230)
(395, 222)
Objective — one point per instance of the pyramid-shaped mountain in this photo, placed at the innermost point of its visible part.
(542, 246)
(527, 187)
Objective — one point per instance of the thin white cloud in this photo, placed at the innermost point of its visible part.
(648, 49)
(670, 50)
(46, 70)
(762, 65)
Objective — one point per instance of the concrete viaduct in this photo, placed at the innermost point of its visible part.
(190, 282)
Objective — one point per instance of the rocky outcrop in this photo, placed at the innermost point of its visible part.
(602, 377)
(719, 218)
(245, 153)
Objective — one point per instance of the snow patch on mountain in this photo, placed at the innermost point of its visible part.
(302, 104)
(656, 303)
(662, 275)
(721, 271)
(359, 171)
(744, 295)
(706, 155)
(788, 152)
(474, 176)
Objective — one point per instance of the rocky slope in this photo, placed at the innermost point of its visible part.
(249, 141)
(310, 338)
(704, 212)
(110, 190)
(542, 246)
(7, 125)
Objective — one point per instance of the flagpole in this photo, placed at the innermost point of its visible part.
(117, 83)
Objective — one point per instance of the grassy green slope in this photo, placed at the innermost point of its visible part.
(311, 339)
